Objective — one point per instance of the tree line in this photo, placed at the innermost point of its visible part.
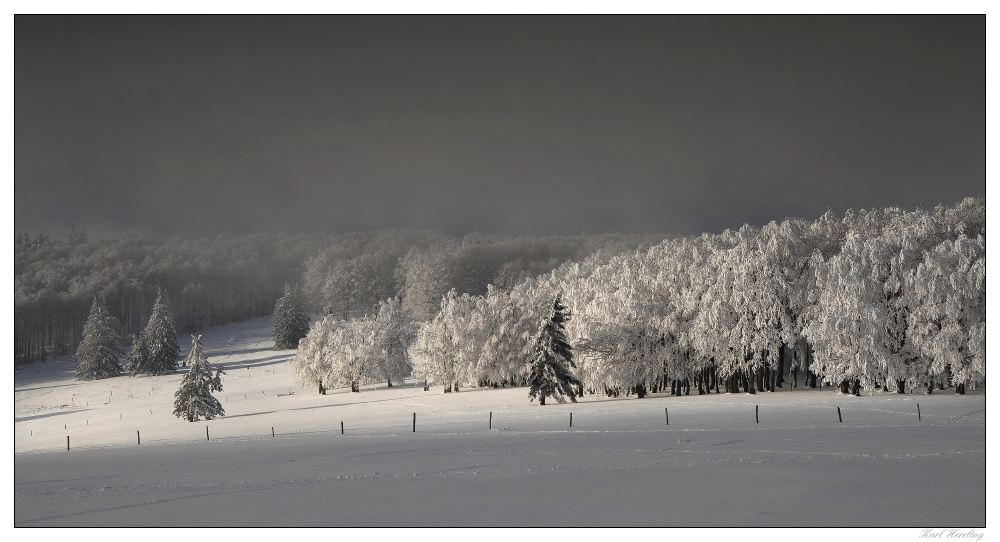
(232, 278)
(882, 299)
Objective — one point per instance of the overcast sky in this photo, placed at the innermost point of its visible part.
(539, 125)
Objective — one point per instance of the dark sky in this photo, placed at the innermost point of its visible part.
(539, 125)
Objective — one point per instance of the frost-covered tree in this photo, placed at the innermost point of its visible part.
(155, 351)
(352, 353)
(356, 353)
(394, 332)
(440, 353)
(948, 325)
(291, 323)
(424, 277)
(310, 363)
(101, 348)
(505, 325)
(551, 368)
(859, 326)
(622, 346)
(194, 400)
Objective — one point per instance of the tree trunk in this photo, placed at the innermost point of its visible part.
(354, 386)
(389, 383)
(856, 387)
(960, 389)
(795, 377)
(541, 399)
(900, 386)
(844, 387)
(426, 386)
(322, 390)
(812, 380)
(779, 373)
(640, 391)
(930, 387)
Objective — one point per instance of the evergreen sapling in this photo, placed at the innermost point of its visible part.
(101, 347)
(194, 398)
(291, 323)
(156, 350)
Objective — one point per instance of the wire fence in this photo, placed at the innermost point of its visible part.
(588, 418)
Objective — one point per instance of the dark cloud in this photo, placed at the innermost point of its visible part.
(508, 124)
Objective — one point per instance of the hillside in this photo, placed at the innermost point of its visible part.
(619, 464)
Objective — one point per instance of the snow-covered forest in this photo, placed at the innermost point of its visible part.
(233, 278)
(876, 299)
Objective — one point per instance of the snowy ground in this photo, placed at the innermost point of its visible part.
(619, 464)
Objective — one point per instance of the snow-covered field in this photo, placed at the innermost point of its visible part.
(619, 464)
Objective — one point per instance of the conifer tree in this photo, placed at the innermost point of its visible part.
(101, 347)
(155, 351)
(136, 357)
(194, 397)
(291, 323)
(550, 369)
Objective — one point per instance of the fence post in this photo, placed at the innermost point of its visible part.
(839, 416)
(667, 414)
(138, 439)
(341, 428)
(206, 433)
(571, 419)
(918, 411)
(756, 412)
(414, 422)
(67, 443)
(272, 432)
(491, 419)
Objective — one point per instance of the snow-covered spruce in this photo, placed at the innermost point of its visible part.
(194, 400)
(291, 323)
(550, 369)
(101, 348)
(156, 350)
